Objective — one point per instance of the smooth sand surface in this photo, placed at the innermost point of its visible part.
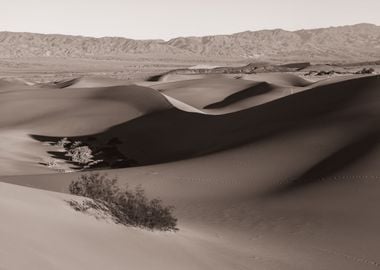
(219, 93)
(88, 82)
(290, 183)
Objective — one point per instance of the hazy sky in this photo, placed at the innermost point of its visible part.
(143, 19)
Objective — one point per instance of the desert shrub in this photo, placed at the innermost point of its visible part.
(127, 206)
(95, 208)
(63, 142)
(323, 72)
(76, 144)
(51, 163)
(80, 154)
(366, 71)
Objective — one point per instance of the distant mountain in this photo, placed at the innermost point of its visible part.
(359, 42)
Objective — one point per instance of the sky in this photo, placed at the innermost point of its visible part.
(165, 19)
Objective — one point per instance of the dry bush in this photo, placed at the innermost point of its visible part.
(128, 207)
(62, 143)
(80, 154)
(366, 71)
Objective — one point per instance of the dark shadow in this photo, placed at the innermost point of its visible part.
(155, 78)
(60, 84)
(259, 89)
(344, 157)
(105, 152)
(58, 155)
(298, 66)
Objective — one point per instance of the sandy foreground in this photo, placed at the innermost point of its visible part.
(266, 171)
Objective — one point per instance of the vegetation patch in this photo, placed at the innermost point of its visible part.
(87, 152)
(126, 206)
(366, 71)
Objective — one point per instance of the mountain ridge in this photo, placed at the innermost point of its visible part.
(359, 42)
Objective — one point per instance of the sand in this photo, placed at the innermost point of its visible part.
(286, 178)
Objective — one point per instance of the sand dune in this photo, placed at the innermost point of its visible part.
(223, 214)
(282, 79)
(257, 89)
(173, 134)
(72, 108)
(153, 130)
(82, 242)
(70, 112)
(85, 82)
(278, 174)
(174, 77)
(218, 92)
(11, 84)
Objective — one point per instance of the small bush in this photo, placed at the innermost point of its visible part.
(366, 71)
(63, 142)
(51, 163)
(80, 154)
(128, 207)
(76, 144)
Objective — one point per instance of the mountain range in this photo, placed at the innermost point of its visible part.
(360, 42)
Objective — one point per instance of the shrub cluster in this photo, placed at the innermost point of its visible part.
(63, 142)
(128, 207)
(366, 71)
(80, 154)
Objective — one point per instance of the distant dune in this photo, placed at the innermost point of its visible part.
(359, 42)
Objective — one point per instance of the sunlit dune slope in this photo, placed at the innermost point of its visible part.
(173, 134)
